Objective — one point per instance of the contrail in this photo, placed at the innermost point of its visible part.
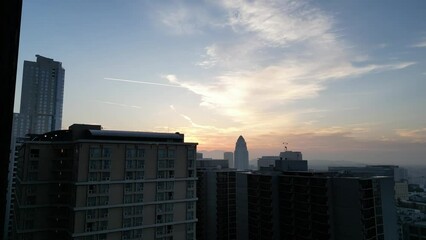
(140, 82)
(120, 104)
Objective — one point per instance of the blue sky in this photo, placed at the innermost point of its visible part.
(338, 80)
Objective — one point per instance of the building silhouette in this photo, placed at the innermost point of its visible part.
(217, 200)
(314, 205)
(88, 183)
(41, 106)
(230, 157)
(241, 154)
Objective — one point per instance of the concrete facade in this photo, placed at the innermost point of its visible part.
(88, 183)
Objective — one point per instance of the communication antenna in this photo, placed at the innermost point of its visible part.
(285, 145)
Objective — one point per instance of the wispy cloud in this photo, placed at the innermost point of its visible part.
(283, 51)
(420, 44)
(140, 82)
(415, 135)
(182, 18)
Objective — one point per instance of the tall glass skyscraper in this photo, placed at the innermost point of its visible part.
(42, 97)
(241, 154)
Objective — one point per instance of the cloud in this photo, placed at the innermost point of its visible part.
(280, 22)
(420, 44)
(415, 135)
(182, 18)
(280, 52)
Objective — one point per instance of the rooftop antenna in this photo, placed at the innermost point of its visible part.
(285, 145)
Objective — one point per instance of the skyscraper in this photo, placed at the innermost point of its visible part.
(241, 154)
(42, 97)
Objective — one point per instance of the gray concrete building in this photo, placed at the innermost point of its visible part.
(230, 157)
(88, 183)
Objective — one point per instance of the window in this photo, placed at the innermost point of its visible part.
(190, 205)
(128, 199)
(35, 153)
(91, 189)
(105, 176)
(127, 211)
(139, 175)
(137, 221)
(171, 153)
(129, 175)
(128, 187)
(127, 222)
(95, 152)
(138, 209)
(91, 201)
(162, 153)
(189, 215)
(104, 188)
(106, 164)
(139, 187)
(140, 164)
(106, 152)
(139, 198)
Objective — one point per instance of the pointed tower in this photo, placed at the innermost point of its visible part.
(241, 155)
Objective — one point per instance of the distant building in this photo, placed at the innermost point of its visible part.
(42, 97)
(209, 163)
(230, 157)
(88, 183)
(199, 155)
(286, 161)
(401, 190)
(267, 161)
(241, 155)
(415, 231)
(399, 175)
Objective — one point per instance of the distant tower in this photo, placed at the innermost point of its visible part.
(230, 157)
(241, 154)
(42, 97)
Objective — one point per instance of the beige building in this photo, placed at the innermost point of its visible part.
(88, 183)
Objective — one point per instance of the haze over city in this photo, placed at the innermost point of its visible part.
(336, 80)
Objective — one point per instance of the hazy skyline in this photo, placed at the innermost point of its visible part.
(336, 80)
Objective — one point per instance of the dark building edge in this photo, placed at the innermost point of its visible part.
(10, 19)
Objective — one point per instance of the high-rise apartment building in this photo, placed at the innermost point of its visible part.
(315, 205)
(42, 97)
(88, 183)
(241, 154)
(217, 200)
(230, 157)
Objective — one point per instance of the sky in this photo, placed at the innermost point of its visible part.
(336, 80)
